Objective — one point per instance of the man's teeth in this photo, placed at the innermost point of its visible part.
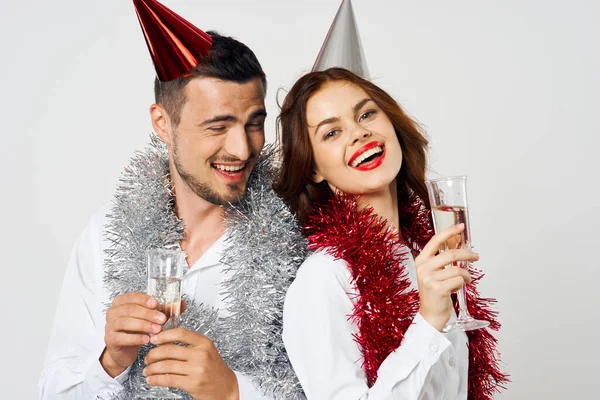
(231, 168)
(367, 154)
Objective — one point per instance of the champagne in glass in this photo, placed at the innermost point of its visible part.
(167, 291)
(447, 216)
(448, 197)
(165, 272)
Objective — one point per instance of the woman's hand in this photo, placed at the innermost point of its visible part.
(436, 282)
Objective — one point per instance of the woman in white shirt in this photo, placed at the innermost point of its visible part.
(363, 318)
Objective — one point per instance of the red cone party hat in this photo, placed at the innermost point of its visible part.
(176, 46)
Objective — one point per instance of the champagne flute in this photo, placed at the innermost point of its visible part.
(448, 197)
(165, 272)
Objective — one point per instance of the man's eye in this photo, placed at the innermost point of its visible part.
(257, 126)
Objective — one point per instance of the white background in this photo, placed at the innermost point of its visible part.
(507, 90)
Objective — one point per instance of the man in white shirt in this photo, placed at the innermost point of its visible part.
(210, 120)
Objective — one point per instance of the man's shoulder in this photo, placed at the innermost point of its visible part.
(95, 227)
(99, 219)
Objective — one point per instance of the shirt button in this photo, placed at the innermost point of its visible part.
(433, 347)
(452, 362)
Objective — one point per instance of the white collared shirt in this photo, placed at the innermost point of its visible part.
(318, 336)
(72, 369)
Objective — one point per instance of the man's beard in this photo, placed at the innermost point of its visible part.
(235, 194)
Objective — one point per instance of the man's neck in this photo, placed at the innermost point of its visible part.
(203, 220)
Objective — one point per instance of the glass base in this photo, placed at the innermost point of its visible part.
(465, 324)
(159, 393)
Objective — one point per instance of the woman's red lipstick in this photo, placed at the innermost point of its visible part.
(371, 164)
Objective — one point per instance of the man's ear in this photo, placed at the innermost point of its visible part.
(160, 123)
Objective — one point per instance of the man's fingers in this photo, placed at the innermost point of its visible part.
(182, 336)
(167, 367)
(172, 381)
(131, 310)
(141, 299)
(122, 339)
(167, 352)
(133, 325)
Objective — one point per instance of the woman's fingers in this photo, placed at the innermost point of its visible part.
(449, 257)
(450, 273)
(438, 241)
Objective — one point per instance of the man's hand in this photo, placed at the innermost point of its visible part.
(130, 320)
(198, 369)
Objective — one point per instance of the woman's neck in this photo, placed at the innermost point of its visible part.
(384, 204)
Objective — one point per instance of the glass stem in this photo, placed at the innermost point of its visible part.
(463, 312)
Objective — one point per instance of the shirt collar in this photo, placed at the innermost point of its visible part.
(212, 256)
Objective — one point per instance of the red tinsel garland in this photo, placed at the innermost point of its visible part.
(386, 305)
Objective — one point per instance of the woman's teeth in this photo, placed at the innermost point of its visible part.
(366, 154)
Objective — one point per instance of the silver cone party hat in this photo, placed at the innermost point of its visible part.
(342, 47)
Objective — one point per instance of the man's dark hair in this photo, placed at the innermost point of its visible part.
(228, 60)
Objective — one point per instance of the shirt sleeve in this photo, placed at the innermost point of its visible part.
(248, 390)
(72, 369)
(318, 335)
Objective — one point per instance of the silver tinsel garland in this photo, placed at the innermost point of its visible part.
(265, 249)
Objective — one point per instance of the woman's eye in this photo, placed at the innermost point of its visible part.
(330, 134)
(366, 115)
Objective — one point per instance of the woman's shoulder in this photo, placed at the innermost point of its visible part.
(321, 263)
(322, 282)
(322, 270)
